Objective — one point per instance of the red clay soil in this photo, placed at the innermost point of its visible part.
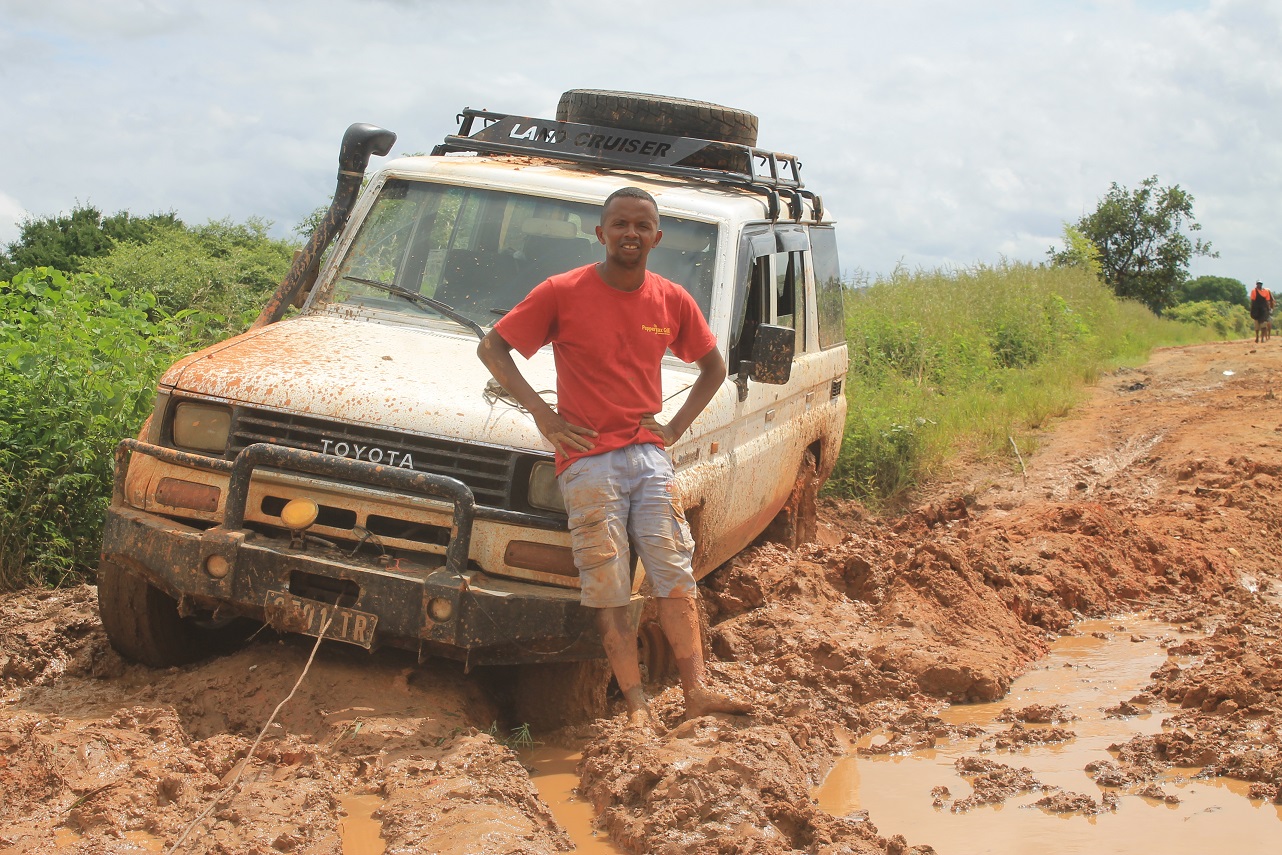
(1160, 493)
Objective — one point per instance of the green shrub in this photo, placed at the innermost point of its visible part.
(80, 362)
(1229, 320)
(967, 362)
(226, 270)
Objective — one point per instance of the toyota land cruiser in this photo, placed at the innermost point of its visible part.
(352, 470)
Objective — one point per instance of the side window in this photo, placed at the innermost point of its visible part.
(758, 309)
(789, 308)
(828, 290)
(775, 290)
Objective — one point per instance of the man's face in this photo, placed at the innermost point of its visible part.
(629, 230)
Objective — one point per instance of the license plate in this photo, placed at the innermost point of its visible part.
(298, 614)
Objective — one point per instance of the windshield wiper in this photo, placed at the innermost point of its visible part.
(418, 299)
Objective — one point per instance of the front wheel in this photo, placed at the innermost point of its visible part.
(798, 521)
(143, 624)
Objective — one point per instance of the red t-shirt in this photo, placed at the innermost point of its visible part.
(607, 345)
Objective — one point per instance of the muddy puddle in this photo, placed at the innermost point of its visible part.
(359, 830)
(1105, 664)
(554, 772)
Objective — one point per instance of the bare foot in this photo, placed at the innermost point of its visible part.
(703, 701)
(640, 721)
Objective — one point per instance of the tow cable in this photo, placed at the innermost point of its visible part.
(226, 792)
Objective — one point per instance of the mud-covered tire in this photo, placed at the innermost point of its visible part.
(654, 652)
(550, 695)
(798, 521)
(658, 114)
(143, 624)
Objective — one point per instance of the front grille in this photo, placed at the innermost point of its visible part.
(489, 472)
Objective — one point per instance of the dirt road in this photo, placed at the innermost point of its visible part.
(1161, 493)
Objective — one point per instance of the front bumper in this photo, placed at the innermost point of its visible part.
(490, 620)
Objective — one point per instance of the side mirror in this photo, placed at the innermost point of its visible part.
(772, 351)
(773, 348)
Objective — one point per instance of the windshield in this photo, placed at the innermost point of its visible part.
(481, 251)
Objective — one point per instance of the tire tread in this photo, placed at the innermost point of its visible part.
(661, 114)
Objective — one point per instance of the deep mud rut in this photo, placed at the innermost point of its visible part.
(1162, 493)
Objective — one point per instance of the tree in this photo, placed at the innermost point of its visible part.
(1079, 251)
(1213, 289)
(1144, 252)
(64, 241)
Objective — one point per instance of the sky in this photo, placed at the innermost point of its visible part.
(940, 134)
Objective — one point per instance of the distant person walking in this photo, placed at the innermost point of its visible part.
(1262, 312)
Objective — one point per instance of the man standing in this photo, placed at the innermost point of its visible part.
(1262, 312)
(610, 324)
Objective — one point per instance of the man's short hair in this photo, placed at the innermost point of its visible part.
(629, 193)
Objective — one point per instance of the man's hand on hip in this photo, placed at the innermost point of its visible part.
(667, 432)
(564, 436)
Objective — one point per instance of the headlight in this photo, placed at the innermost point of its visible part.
(544, 491)
(201, 427)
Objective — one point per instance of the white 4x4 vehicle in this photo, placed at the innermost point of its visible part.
(353, 470)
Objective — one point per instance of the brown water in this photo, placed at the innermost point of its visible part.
(359, 831)
(1085, 674)
(553, 771)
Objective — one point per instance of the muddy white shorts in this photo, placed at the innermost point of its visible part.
(619, 501)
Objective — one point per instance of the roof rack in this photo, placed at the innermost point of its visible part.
(769, 173)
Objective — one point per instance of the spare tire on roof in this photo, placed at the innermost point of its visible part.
(658, 114)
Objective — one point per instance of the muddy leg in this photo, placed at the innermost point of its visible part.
(620, 641)
(679, 617)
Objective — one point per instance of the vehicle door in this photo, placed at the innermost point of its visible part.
(770, 434)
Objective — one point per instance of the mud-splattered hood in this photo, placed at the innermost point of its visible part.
(411, 378)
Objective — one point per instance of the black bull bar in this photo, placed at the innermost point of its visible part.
(492, 620)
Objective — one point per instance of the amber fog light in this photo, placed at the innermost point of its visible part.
(299, 514)
(217, 566)
(440, 609)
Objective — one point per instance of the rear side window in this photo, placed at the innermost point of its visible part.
(828, 290)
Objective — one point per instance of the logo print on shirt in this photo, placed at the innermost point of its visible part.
(657, 330)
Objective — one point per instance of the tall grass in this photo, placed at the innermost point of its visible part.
(962, 363)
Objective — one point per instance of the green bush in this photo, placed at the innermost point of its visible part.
(66, 241)
(969, 362)
(226, 270)
(1229, 320)
(80, 361)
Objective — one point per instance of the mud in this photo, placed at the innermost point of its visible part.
(1158, 494)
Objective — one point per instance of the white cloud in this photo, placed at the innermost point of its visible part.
(941, 133)
(11, 215)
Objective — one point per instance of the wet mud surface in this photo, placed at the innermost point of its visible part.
(1159, 495)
